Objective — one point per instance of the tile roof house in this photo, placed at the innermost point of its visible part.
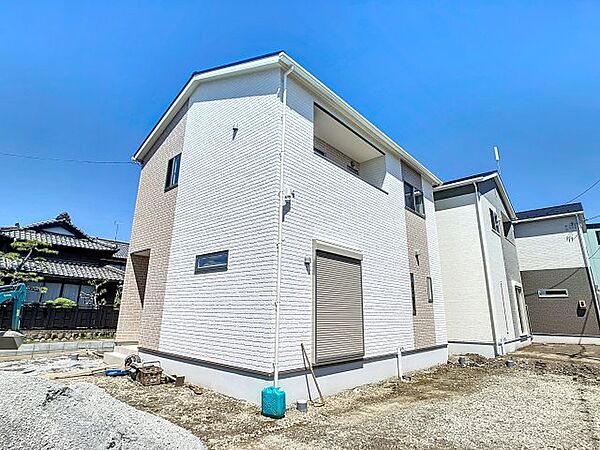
(557, 277)
(272, 214)
(81, 259)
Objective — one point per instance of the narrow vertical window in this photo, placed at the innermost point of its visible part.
(173, 172)
(413, 294)
(494, 221)
(413, 199)
(429, 290)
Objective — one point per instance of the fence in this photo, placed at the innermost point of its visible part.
(35, 317)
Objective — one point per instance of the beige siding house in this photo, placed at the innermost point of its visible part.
(271, 214)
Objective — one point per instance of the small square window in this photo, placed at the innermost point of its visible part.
(212, 262)
(429, 290)
(173, 172)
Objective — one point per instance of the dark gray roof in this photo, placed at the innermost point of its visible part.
(477, 175)
(122, 247)
(593, 225)
(550, 211)
(76, 239)
(57, 239)
(70, 269)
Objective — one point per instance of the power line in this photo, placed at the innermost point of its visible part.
(48, 158)
(586, 191)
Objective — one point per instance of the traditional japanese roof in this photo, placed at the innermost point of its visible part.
(60, 232)
(57, 239)
(571, 208)
(122, 247)
(69, 269)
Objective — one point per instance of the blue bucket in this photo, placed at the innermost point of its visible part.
(273, 402)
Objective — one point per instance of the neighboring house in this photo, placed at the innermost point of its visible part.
(485, 309)
(556, 274)
(220, 289)
(81, 260)
(592, 238)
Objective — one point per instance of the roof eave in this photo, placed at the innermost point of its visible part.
(554, 216)
(301, 73)
(358, 119)
(188, 89)
(480, 179)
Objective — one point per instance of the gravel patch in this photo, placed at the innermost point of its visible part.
(40, 414)
(40, 366)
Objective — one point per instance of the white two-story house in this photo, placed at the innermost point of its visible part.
(271, 214)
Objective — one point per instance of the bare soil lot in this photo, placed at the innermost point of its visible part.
(550, 399)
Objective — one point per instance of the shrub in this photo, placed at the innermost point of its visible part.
(61, 302)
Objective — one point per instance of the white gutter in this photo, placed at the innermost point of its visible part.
(280, 205)
(554, 216)
(486, 268)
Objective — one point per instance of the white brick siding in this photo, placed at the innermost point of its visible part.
(500, 285)
(334, 206)
(549, 244)
(227, 200)
(463, 276)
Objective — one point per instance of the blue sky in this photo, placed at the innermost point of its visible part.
(446, 80)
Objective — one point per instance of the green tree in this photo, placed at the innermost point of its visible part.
(23, 263)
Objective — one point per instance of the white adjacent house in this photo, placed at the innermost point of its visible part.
(271, 214)
(483, 291)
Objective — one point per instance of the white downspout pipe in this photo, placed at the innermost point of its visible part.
(586, 259)
(280, 204)
(486, 268)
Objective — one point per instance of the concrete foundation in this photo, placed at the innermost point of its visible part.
(555, 339)
(298, 384)
(486, 349)
(117, 357)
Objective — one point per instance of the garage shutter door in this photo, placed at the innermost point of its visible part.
(339, 313)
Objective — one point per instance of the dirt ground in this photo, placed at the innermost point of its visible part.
(550, 399)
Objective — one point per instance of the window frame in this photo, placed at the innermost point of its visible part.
(216, 267)
(412, 205)
(495, 221)
(543, 293)
(413, 294)
(598, 236)
(173, 169)
(429, 290)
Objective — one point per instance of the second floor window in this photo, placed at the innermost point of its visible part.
(173, 172)
(413, 198)
(494, 221)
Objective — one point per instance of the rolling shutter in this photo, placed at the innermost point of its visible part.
(339, 313)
